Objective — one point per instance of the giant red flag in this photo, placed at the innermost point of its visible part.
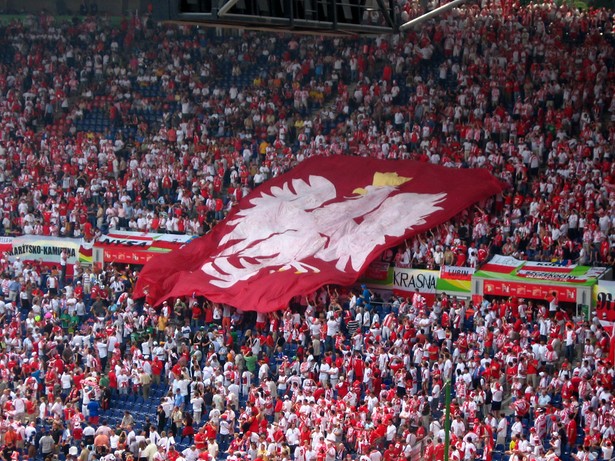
(321, 223)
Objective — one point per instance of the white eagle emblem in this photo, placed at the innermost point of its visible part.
(285, 227)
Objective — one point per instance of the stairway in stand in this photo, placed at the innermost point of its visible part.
(143, 411)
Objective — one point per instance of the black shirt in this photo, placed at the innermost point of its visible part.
(7, 452)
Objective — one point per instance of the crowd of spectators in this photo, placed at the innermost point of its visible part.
(88, 373)
(163, 128)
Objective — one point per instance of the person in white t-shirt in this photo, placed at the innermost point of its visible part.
(607, 449)
(102, 347)
(19, 405)
(197, 408)
(66, 381)
(323, 375)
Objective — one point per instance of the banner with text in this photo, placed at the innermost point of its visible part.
(49, 249)
(457, 273)
(426, 281)
(527, 290)
(412, 280)
(127, 247)
(512, 270)
(604, 299)
(507, 276)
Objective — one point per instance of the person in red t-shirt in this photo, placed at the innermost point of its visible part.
(571, 432)
(197, 315)
(439, 451)
(173, 454)
(157, 367)
(391, 455)
(200, 439)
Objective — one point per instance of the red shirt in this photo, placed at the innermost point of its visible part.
(157, 367)
(113, 379)
(210, 431)
(199, 441)
(77, 380)
(439, 452)
(571, 431)
(389, 454)
(342, 389)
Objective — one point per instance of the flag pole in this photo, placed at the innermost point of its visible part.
(447, 418)
(421, 19)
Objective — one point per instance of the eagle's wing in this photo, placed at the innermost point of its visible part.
(355, 240)
(276, 232)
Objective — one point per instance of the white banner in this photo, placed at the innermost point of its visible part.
(412, 280)
(46, 249)
(545, 265)
(143, 239)
(508, 261)
(553, 276)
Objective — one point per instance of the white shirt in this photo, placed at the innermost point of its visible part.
(324, 372)
(332, 327)
(102, 349)
(292, 436)
(190, 454)
(225, 427)
(20, 406)
(197, 403)
(66, 380)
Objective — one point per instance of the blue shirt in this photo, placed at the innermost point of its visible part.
(93, 408)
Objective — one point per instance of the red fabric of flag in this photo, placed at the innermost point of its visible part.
(321, 223)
